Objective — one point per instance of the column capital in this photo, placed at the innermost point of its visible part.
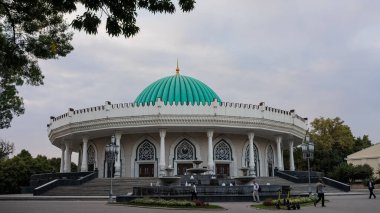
(162, 132)
(118, 135)
(251, 136)
(85, 139)
(210, 133)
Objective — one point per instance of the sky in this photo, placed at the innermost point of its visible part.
(319, 57)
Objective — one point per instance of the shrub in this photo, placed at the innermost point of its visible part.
(146, 201)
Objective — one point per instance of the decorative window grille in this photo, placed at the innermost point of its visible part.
(270, 156)
(222, 151)
(146, 151)
(91, 155)
(256, 156)
(185, 151)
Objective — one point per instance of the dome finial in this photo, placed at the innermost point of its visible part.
(177, 69)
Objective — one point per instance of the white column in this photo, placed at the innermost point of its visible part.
(62, 169)
(252, 172)
(210, 163)
(282, 159)
(162, 152)
(118, 156)
(279, 157)
(291, 157)
(67, 158)
(70, 154)
(84, 167)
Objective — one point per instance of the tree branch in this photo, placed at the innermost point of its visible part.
(9, 15)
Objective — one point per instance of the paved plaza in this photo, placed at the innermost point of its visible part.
(341, 203)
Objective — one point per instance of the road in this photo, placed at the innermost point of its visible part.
(347, 204)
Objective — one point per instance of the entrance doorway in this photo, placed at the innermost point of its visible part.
(222, 169)
(182, 167)
(146, 170)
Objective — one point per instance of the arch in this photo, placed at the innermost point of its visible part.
(182, 154)
(146, 151)
(222, 151)
(222, 154)
(146, 159)
(270, 161)
(245, 160)
(91, 157)
(135, 162)
(185, 150)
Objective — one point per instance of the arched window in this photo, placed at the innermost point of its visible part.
(222, 151)
(91, 161)
(185, 150)
(270, 161)
(256, 158)
(146, 151)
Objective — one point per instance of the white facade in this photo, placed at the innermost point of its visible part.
(151, 138)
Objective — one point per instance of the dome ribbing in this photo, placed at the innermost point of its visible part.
(178, 89)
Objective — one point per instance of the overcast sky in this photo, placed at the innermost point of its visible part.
(319, 57)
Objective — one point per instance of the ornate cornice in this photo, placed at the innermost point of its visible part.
(160, 121)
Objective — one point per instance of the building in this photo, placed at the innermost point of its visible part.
(369, 155)
(174, 121)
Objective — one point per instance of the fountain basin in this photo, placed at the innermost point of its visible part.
(244, 180)
(170, 180)
(197, 170)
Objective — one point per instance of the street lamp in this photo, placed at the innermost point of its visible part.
(111, 154)
(308, 153)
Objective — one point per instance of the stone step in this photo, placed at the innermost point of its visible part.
(122, 186)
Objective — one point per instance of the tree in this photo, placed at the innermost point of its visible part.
(16, 172)
(343, 172)
(361, 143)
(6, 148)
(333, 142)
(35, 29)
(362, 172)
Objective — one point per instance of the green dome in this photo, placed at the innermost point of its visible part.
(178, 89)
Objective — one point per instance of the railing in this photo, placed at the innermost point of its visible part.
(222, 109)
(337, 184)
(302, 177)
(299, 176)
(61, 179)
(40, 179)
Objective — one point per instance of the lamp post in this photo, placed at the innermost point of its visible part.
(111, 154)
(308, 153)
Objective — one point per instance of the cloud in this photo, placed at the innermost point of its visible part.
(318, 57)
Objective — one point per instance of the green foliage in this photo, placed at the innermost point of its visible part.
(333, 142)
(361, 143)
(147, 201)
(16, 172)
(29, 30)
(161, 202)
(35, 29)
(6, 148)
(349, 173)
(362, 172)
(343, 172)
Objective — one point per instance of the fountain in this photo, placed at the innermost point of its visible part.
(197, 170)
(245, 179)
(169, 179)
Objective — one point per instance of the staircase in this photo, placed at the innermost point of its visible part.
(101, 187)
(297, 188)
(123, 186)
